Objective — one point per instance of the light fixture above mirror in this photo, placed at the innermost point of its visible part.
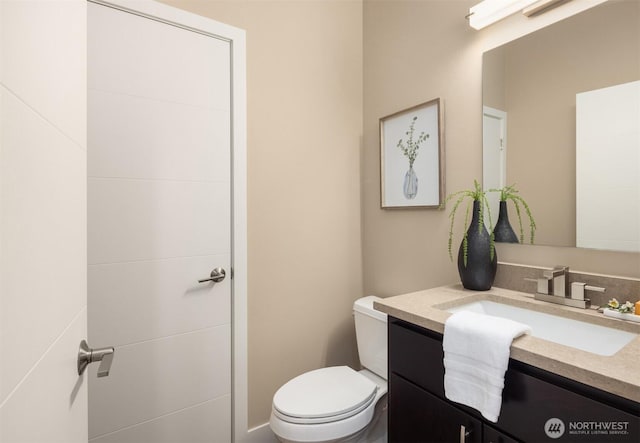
(488, 12)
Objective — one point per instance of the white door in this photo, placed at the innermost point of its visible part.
(608, 168)
(43, 235)
(43, 265)
(159, 199)
(494, 156)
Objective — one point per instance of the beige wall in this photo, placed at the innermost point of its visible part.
(304, 71)
(416, 51)
(493, 81)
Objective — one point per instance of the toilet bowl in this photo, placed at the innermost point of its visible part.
(337, 404)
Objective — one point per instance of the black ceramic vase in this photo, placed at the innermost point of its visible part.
(503, 232)
(480, 270)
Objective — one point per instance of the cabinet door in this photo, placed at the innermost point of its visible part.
(417, 356)
(530, 403)
(492, 435)
(416, 416)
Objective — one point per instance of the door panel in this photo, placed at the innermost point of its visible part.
(161, 377)
(145, 58)
(44, 60)
(180, 144)
(50, 405)
(43, 310)
(608, 179)
(155, 299)
(159, 220)
(139, 219)
(43, 238)
(494, 156)
(178, 427)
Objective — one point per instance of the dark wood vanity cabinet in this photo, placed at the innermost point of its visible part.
(419, 412)
(492, 435)
(437, 419)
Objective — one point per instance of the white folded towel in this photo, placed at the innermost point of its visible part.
(476, 356)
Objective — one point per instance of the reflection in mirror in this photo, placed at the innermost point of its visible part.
(533, 90)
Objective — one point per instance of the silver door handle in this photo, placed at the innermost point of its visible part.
(87, 355)
(216, 276)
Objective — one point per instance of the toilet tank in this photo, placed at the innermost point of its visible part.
(371, 335)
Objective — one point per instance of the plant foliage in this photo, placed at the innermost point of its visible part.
(470, 196)
(410, 149)
(511, 193)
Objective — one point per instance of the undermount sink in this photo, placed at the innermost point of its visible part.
(581, 335)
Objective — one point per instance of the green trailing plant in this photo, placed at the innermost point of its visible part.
(511, 193)
(410, 149)
(470, 196)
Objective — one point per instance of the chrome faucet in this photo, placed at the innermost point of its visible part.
(553, 287)
(558, 280)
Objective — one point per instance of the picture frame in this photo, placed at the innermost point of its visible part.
(412, 157)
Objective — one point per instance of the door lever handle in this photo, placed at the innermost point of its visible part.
(216, 276)
(87, 355)
(105, 363)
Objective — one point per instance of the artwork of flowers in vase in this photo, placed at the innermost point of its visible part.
(410, 150)
(411, 154)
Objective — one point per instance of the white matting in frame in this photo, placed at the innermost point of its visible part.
(412, 157)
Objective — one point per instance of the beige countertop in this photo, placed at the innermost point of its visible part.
(618, 374)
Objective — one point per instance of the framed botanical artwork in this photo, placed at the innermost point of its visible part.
(412, 157)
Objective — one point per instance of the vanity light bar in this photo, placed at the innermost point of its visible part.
(488, 12)
(541, 6)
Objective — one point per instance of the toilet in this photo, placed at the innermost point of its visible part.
(338, 404)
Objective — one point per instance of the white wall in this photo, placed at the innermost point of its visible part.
(42, 220)
(608, 168)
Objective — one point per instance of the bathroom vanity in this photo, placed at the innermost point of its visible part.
(552, 392)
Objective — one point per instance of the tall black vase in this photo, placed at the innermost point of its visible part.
(480, 270)
(503, 232)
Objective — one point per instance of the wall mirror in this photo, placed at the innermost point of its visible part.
(561, 121)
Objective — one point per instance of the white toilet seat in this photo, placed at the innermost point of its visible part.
(323, 396)
(321, 424)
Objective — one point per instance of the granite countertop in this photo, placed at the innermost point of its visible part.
(618, 374)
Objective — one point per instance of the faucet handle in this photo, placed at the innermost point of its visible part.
(559, 281)
(578, 288)
(543, 284)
